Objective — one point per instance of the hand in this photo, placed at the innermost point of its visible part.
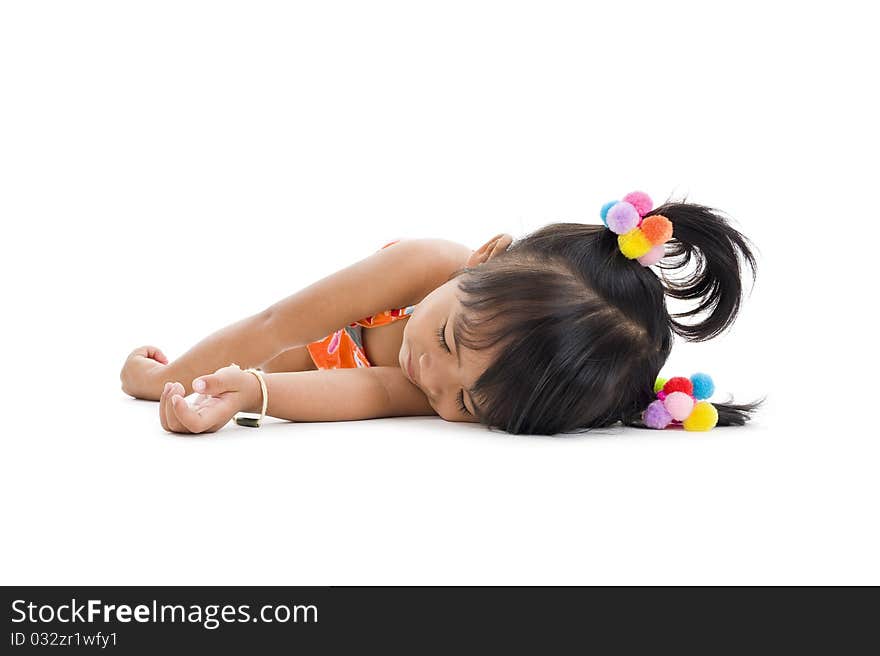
(139, 372)
(221, 395)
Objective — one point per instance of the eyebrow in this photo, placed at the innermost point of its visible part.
(476, 412)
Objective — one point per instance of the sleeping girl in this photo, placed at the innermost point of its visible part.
(560, 331)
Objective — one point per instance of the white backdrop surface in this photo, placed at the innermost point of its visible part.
(168, 168)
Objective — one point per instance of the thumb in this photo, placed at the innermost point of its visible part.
(222, 380)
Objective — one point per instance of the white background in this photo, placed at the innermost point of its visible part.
(167, 168)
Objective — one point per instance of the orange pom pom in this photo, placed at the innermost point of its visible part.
(657, 228)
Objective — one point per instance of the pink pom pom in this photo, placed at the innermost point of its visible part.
(640, 200)
(622, 218)
(656, 416)
(653, 256)
(679, 405)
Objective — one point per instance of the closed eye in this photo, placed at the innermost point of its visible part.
(441, 337)
(461, 405)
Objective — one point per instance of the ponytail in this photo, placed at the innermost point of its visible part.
(702, 236)
(579, 326)
(736, 414)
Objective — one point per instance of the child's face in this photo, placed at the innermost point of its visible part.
(445, 376)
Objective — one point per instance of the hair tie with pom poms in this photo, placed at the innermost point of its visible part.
(638, 238)
(682, 401)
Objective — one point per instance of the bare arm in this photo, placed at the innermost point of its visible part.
(321, 395)
(341, 395)
(393, 277)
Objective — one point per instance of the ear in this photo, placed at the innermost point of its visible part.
(498, 244)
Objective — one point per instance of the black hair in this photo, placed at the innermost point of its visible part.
(583, 332)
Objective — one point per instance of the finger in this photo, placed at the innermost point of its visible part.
(139, 351)
(189, 418)
(222, 380)
(163, 403)
(177, 389)
(156, 354)
(151, 352)
(174, 423)
(168, 412)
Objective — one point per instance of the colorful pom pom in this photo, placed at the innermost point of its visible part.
(656, 416)
(682, 401)
(703, 417)
(604, 211)
(679, 405)
(621, 218)
(653, 256)
(703, 386)
(634, 244)
(640, 200)
(679, 384)
(657, 228)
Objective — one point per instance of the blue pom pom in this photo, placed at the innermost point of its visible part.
(703, 386)
(604, 211)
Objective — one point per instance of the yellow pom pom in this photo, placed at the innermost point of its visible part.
(634, 244)
(703, 417)
(659, 384)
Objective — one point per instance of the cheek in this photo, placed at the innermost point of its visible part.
(412, 328)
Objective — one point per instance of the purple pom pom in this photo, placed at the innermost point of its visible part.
(604, 211)
(656, 415)
(641, 201)
(622, 218)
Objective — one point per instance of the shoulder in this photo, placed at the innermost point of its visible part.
(434, 252)
(393, 277)
(429, 260)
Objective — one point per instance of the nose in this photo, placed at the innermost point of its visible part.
(434, 375)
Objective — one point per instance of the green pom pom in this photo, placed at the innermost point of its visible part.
(659, 384)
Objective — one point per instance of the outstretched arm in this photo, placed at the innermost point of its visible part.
(392, 277)
(321, 395)
(146, 369)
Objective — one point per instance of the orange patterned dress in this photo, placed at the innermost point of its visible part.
(344, 348)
